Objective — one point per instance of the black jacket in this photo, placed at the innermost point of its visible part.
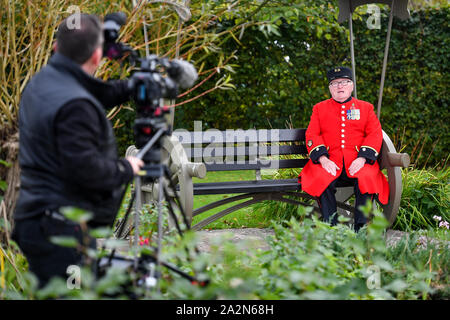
(67, 154)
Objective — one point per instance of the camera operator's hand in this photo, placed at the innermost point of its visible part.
(135, 163)
(131, 84)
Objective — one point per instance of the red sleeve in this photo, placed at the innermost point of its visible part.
(313, 134)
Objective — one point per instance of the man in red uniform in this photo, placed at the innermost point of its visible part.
(343, 140)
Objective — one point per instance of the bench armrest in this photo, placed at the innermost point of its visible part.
(196, 169)
(398, 159)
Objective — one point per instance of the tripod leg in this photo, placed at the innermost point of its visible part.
(183, 214)
(119, 233)
(137, 214)
(171, 185)
(160, 226)
(172, 212)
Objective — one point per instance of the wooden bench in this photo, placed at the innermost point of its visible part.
(192, 154)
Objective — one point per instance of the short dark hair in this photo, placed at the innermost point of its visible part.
(78, 42)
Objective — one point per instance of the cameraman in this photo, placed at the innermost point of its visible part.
(68, 155)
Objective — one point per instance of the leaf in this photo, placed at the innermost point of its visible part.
(383, 264)
(103, 232)
(56, 288)
(111, 112)
(5, 163)
(76, 214)
(201, 67)
(397, 286)
(112, 281)
(115, 244)
(64, 241)
(236, 39)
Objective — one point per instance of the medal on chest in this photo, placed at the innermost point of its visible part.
(353, 113)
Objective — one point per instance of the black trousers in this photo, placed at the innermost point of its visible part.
(46, 259)
(328, 205)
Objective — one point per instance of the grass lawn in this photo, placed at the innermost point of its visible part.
(243, 218)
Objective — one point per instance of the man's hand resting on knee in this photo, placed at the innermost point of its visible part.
(356, 165)
(328, 165)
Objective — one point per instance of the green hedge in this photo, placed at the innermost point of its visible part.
(271, 92)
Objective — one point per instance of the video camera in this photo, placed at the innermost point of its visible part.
(155, 79)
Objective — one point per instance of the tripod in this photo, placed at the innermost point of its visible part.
(156, 172)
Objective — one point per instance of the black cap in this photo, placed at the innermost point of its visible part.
(339, 72)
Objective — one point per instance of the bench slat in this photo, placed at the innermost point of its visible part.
(241, 151)
(256, 165)
(240, 136)
(229, 187)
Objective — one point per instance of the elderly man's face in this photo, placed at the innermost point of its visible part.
(341, 89)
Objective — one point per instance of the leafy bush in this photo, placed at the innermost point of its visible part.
(311, 260)
(426, 193)
(270, 89)
(308, 259)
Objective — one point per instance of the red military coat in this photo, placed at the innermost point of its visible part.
(344, 129)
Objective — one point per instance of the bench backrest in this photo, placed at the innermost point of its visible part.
(245, 149)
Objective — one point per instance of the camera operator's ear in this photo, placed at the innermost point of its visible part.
(90, 66)
(97, 56)
(55, 47)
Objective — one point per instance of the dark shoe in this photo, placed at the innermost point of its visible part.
(358, 226)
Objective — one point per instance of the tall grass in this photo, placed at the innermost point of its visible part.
(415, 146)
(28, 33)
(426, 193)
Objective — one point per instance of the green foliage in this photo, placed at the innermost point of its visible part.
(307, 259)
(76, 214)
(3, 184)
(242, 218)
(426, 193)
(417, 4)
(14, 277)
(426, 256)
(271, 88)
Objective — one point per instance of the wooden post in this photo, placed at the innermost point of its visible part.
(386, 52)
(352, 51)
